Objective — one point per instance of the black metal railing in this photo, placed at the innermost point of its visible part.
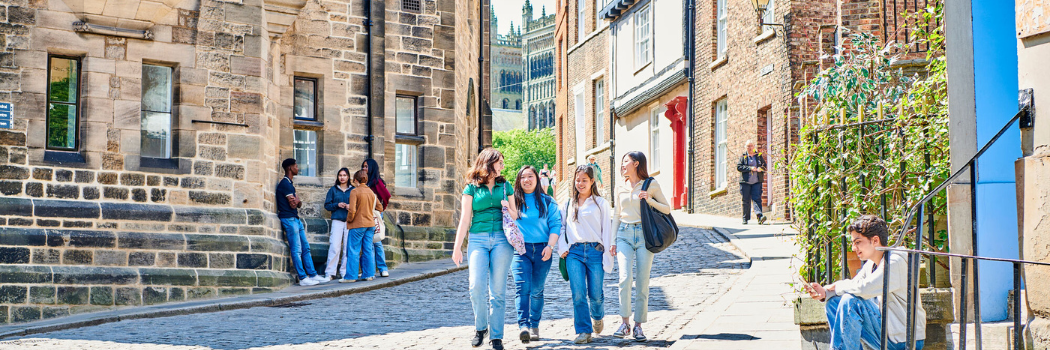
(916, 213)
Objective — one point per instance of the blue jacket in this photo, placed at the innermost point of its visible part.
(535, 228)
(332, 200)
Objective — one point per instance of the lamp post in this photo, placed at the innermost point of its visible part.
(760, 9)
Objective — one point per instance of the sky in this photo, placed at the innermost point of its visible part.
(510, 10)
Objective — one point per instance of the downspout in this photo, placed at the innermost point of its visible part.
(613, 168)
(481, 75)
(691, 56)
(368, 79)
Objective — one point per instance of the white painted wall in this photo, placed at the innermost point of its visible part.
(666, 38)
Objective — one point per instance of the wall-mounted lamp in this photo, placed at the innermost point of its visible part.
(760, 9)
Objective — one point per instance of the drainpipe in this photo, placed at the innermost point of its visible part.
(691, 116)
(368, 79)
(613, 168)
(481, 75)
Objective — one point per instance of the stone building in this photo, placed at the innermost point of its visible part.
(537, 51)
(146, 138)
(583, 125)
(506, 81)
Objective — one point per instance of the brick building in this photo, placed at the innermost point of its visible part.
(147, 136)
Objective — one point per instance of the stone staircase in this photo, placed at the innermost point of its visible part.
(402, 243)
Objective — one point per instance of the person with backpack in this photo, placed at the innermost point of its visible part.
(587, 250)
(378, 186)
(539, 221)
(630, 241)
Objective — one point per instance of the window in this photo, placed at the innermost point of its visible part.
(599, 112)
(305, 151)
(721, 34)
(411, 5)
(63, 99)
(654, 138)
(156, 111)
(642, 55)
(721, 146)
(581, 27)
(405, 107)
(406, 158)
(580, 125)
(768, 17)
(305, 96)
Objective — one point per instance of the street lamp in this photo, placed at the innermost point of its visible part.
(760, 9)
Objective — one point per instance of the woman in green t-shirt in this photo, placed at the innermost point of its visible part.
(488, 251)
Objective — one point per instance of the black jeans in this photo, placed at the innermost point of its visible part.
(751, 193)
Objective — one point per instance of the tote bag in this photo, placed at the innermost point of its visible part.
(660, 229)
(380, 225)
(510, 228)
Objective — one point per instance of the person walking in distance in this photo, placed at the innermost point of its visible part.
(587, 250)
(539, 221)
(547, 180)
(336, 201)
(361, 225)
(488, 251)
(378, 186)
(593, 162)
(752, 168)
(288, 204)
(634, 260)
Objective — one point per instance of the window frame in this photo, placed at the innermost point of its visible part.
(415, 114)
(721, 28)
(76, 105)
(581, 26)
(640, 47)
(172, 150)
(654, 139)
(316, 99)
(408, 141)
(768, 16)
(599, 111)
(316, 150)
(721, 143)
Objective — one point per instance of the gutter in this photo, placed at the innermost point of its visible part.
(481, 74)
(691, 74)
(368, 79)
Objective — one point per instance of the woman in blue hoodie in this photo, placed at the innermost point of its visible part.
(539, 221)
(336, 202)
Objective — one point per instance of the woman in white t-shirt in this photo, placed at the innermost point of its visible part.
(587, 233)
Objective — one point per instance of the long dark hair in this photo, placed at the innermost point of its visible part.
(643, 167)
(484, 167)
(373, 172)
(519, 192)
(589, 172)
(348, 176)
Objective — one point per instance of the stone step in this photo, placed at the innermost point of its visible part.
(994, 335)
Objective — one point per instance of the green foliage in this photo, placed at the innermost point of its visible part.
(840, 171)
(522, 147)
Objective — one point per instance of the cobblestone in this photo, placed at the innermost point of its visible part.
(428, 314)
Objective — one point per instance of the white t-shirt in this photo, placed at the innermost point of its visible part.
(594, 225)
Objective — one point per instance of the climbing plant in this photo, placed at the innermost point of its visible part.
(873, 140)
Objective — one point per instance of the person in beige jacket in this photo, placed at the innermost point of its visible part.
(635, 262)
(361, 226)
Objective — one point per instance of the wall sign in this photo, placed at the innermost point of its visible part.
(6, 113)
(766, 70)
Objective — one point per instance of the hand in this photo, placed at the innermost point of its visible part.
(457, 256)
(342, 205)
(816, 291)
(760, 169)
(612, 250)
(751, 168)
(564, 254)
(505, 203)
(547, 253)
(643, 194)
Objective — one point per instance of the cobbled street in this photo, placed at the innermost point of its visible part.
(428, 314)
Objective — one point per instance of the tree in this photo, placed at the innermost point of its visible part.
(522, 147)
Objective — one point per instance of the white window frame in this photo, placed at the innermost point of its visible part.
(599, 112)
(654, 138)
(642, 36)
(768, 16)
(721, 143)
(406, 164)
(146, 125)
(581, 27)
(722, 32)
(580, 114)
(305, 155)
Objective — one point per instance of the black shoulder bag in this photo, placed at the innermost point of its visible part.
(660, 229)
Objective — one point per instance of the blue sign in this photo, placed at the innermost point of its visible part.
(6, 113)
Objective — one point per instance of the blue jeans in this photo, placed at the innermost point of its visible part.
(380, 256)
(530, 274)
(489, 256)
(295, 233)
(853, 320)
(584, 265)
(360, 256)
(751, 193)
(632, 255)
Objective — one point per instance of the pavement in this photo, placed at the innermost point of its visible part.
(721, 286)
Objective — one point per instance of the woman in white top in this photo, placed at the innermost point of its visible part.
(587, 232)
(630, 241)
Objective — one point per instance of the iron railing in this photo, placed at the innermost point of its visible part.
(913, 262)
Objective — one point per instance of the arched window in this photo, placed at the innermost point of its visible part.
(517, 104)
(506, 103)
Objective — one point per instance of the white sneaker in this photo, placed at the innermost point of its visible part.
(308, 282)
(384, 274)
(319, 278)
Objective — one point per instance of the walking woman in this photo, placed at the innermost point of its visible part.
(362, 226)
(379, 187)
(539, 221)
(630, 241)
(488, 251)
(588, 248)
(336, 201)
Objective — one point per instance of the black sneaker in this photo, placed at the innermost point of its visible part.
(761, 220)
(497, 344)
(745, 221)
(479, 337)
(525, 336)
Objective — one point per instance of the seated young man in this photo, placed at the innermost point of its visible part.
(854, 305)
